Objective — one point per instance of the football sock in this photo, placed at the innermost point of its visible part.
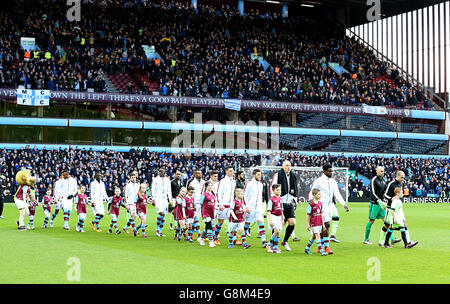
(161, 223)
(388, 236)
(325, 242)
(54, 214)
(319, 246)
(288, 233)
(383, 234)
(217, 231)
(143, 229)
(404, 238)
(244, 238)
(310, 243)
(276, 240)
(407, 235)
(334, 227)
(22, 217)
(31, 221)
(133, 224)
(246, 228)
(196, 226)
(66, 217)
(46, 221)
(210, 235)
(158, 222)
(368, 228)
(81, 223)
(262, 231)
(138, 227)
(231, 238)
(190, 233)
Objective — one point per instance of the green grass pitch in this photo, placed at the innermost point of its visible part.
(44, 255)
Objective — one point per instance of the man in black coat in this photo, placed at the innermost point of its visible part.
(289, 194)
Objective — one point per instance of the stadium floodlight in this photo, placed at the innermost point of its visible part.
(270, 1)
(306, 5)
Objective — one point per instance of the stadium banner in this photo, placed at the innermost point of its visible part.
(33, 97)
(28, 43)
(337, 68)
(261, 105)
(233, 104)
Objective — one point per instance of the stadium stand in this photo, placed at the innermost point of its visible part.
(203, 53)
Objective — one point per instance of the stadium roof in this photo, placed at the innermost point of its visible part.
(358, 8)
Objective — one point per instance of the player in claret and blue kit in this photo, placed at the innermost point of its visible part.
(314, 222)
(275, 218)
(236, 219)
(114, 204)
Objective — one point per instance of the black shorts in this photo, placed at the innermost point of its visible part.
(288, 211)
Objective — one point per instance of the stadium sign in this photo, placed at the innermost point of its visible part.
(426, 200)
(262, 105)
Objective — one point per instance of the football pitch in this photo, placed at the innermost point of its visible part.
(55, 255)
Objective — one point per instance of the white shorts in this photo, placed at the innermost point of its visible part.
(162, 206)
(316, 229)
(19, 203)
(254, 216)
(142, 214)
(198, 212)
(132, 209)
(82, 216)
(189, 221)
(326, 213)
(235, 227)
(99, 209)
(114, 217)
(223, 215)
(47, 213)
(276, 221)
(67, 204)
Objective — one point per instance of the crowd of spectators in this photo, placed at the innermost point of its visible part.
(204, 52)
(423, 176)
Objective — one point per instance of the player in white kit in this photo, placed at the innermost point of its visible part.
(130, 196)
(98, 197)
(59, 194)
(72, 190)
(198, 184)
(328, 189)
(161, 193)
(253, 197)
(225, 196)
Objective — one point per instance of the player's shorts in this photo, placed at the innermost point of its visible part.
(162, 206)
(254, 216)
(32, 211)
(47, 213)
(114, 217)
(315, 229)
(132, 209)
(189, 220)
(82, 216)
(288, 210)
(58, 204)
(334, 212)
(67, 204)
(376, 212)
(223, 215)
(20, 204)
(235, 227)
(99, 209)
(276, 221)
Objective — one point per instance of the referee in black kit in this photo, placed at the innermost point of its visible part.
(289, 195)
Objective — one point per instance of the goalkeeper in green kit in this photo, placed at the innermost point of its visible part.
(377, 207)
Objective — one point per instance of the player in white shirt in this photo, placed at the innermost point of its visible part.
(225, 196)
(328, 189)
(130, 195)
(254, 211)
(59, 194)
(97, 197)
(71, 192)
(397, 221)
(161, 193)
(198, 184)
